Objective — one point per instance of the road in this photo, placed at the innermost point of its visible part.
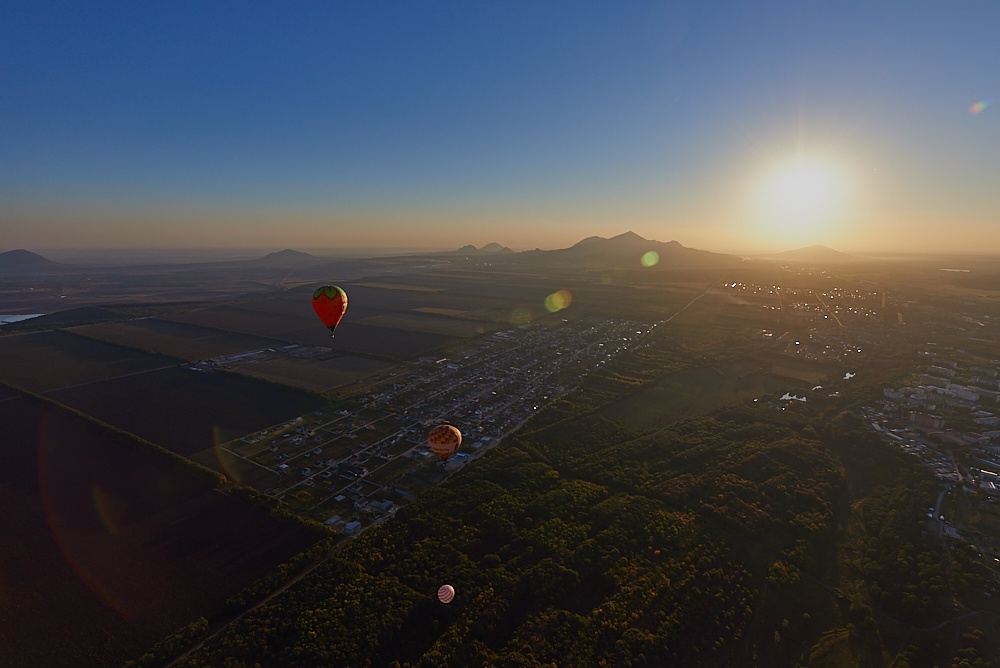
(686, 306)
(827, 308)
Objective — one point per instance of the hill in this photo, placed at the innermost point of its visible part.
(285, 258)
(489, 249)
(22, 261)
(817, 254)
(628, 249)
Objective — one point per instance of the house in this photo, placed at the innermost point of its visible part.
(382, 505)
(351, 528)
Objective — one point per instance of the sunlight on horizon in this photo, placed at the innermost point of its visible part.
(801, 201)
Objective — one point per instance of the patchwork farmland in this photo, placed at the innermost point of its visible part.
(181, 340)
(187, 411)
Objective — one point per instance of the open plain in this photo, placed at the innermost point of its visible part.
(139, 428)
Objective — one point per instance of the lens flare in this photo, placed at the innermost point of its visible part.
(109, 510)
(69, 524)
(612, 277)
(558, 300)
(227, 460)
(978, 107)
(650, 259)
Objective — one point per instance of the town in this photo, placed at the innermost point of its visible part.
(351, 467)
(947, 417)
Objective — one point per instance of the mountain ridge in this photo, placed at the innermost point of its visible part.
(629, 248)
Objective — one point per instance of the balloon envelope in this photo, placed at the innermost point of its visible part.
(446, 593)
(444, 440)
(330, 302)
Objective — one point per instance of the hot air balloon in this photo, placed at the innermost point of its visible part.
(444, 440)
(330, 302)
(446, 593)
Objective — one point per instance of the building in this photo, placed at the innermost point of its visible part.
(382, 505)
(963, 392)
(352, 528)
(929, 421)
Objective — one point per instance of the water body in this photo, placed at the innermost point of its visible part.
(7, 319)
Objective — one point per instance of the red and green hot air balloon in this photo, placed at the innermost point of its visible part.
(330, 302)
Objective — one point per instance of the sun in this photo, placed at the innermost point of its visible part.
(801, 201)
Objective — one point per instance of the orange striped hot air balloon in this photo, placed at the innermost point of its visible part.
(446, 593)
(444, 440)
(330, 302)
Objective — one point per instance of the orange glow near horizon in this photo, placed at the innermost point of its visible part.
(801, 202)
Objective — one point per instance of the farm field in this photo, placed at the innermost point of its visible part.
(431, 323)
(246, 321)
(316, 376)
(351, 336)
(131, 543)
(642, 301)
(386, 342)
(235, 467)
(186, 341)
(44, 361)
(398, 286)
(469, 292)
(691, 392)
(719, 308)
(808, 371)
(188, 411)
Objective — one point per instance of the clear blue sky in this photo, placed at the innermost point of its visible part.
(437, 124)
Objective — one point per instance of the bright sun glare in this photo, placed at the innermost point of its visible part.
(801, 200)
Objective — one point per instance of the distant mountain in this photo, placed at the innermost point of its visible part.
(628, 249)
(489, 249)
(818, 254)
(494, 247)
(286, 258)
(21, 261)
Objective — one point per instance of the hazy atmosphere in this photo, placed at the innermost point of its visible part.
(500, 334)
(730, 127)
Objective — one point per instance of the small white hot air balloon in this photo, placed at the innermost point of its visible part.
(446, 593)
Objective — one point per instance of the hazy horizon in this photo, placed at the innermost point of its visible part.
(738, 129)
(125, 255)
